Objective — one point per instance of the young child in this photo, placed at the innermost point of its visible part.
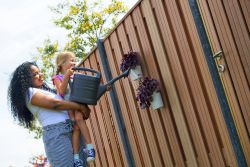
(65, 61)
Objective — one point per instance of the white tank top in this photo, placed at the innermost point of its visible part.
(46, 116)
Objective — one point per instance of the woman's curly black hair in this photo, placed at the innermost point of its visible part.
(20, 82)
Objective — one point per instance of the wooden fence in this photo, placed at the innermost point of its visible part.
(205, 120)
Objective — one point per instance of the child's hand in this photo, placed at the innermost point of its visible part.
(68, 73)
(85, 111)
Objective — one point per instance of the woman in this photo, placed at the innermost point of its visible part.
(30, 96)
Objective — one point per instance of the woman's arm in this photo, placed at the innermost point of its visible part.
(41, 100)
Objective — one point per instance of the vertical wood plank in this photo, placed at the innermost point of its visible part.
(230, 54)
(223, 136)
(92, 134)
(196, 84)
(139, 130)
(109, 121)
(170, 86)
(159, 115)
(125, 111)
(101, 120)
(143, 115)
(242, 41)
(95, 120)
(147, 52)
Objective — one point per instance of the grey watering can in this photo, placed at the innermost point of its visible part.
(87, 88)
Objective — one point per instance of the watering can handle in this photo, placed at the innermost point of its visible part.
(86, 69)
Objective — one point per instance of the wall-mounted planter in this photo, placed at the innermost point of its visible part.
(148, 94)
(130, 61)
(135, 73)
(156, 102)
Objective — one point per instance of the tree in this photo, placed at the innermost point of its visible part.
(86, 21)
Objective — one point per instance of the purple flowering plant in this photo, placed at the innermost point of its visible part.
(129, 60)
(145, 91)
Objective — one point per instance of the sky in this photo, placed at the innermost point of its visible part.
(24, 25)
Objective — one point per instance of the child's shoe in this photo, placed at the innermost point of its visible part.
(91, 155)
(78, 163)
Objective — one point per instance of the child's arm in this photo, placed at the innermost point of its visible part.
(61, 86)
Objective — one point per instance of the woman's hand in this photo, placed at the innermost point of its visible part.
(85, 111)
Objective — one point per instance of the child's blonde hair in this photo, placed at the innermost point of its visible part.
(61, 59)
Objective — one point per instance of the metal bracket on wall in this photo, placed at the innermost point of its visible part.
(221, 68)
(218, 55)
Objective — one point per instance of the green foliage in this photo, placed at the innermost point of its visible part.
(36, 129)
(45, 57)
(86, 21)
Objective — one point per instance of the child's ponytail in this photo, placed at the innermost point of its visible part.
(58, 70)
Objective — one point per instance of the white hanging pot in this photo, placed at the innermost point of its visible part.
(156, 100)
(135, 73)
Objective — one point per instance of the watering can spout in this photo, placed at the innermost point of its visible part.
(103, 88)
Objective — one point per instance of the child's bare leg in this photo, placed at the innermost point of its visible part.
(83, 127)
(75, 134)
(86, 135)
(76, 139)
(76, 146)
